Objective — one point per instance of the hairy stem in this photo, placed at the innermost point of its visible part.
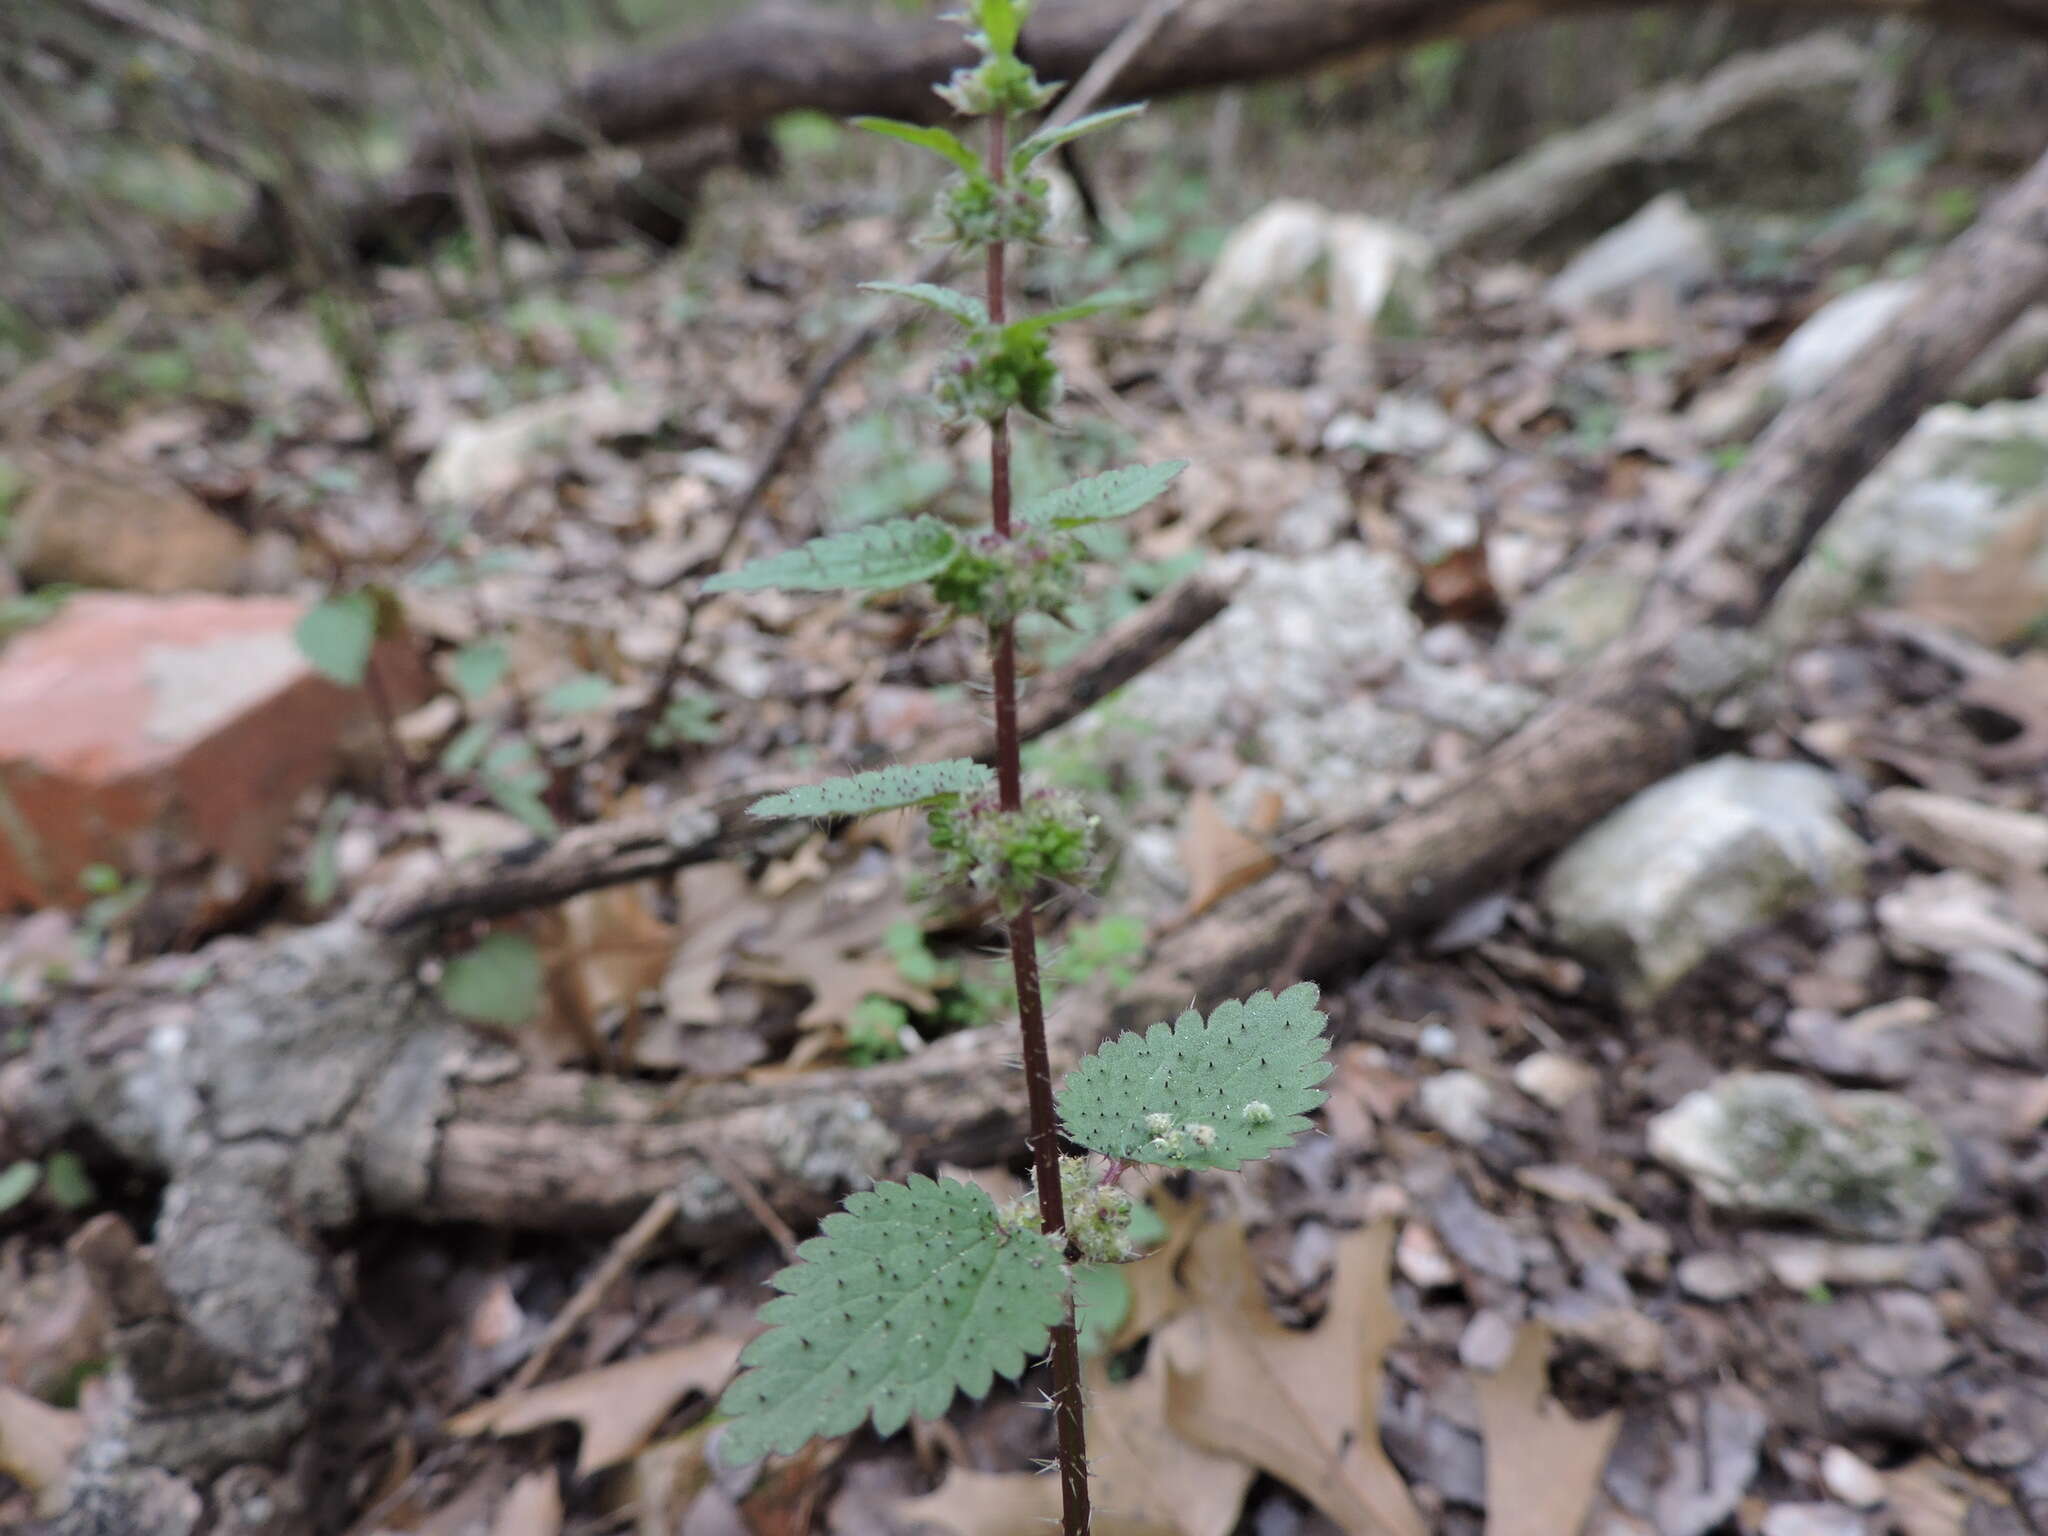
(1044, 1139)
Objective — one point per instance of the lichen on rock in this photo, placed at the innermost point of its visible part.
(1861, 1164)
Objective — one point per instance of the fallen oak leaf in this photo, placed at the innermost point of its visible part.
(1300, 1405)
(1218, 857)
(1145, 1479)
(617, 1406)
(532, 1508)
(37, 1443)
(1543, 1466)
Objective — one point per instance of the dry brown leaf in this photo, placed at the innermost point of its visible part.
(37, 1443)
(1300, 1405)
(532, 1508)
(1999, 597)
(2020, 694)
(717, 908)
(784, 1498)
(1220, 859)
(617, 1407)
(666, 1477)
(612, 949)
(1543, 1466)
(1147, 1480)
(1925, 1499)
(1156, 1291)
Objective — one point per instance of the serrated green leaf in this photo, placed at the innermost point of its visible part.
(1032, 324)
(1100, 498)
(1047, 139)
(937, 140)
(18, 1182)
(885, 789)
(498, 982)
(912, 1293)
(964, 307)
(874, 558)
(337, 636)
(477, 667)
(1244, 1079)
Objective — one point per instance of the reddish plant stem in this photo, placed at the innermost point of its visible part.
(1068, 1423)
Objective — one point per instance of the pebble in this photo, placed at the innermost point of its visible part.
(1553, 1080)
(1439, 1042)
(1422, 1260)
(1487, 1342)
(1457, 1103)
(1851, 1479)
(1813, 1520)
(1717, 1276)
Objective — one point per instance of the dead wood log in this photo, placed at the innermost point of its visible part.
(717, 826)
(1532, 193)
(788, 59)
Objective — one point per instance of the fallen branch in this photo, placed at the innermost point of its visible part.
(705, 828)
(796, 59)
(1533, 192)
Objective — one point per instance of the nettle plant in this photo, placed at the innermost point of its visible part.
(917, 1291)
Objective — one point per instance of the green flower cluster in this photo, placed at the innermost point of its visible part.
(997, 370)
(1001, 82)
(1098, 1214)
(1011, 855)
(994, 579)
(977, 213)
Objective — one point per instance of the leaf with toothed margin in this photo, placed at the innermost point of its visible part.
(874, 558)
(884, 789)
(963, 307)
(939, 141)
(1100, 498)
(912, 1293)
(1245, 1077)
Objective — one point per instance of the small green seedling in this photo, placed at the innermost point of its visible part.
(918, 1291)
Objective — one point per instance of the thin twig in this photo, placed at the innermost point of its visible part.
(750, 1196)
(624, 1254)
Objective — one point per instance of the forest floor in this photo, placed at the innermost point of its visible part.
(1715, 1373)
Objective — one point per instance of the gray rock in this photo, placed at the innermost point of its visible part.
(1665, 245)
(1457, 1103)
(1573, 615)
(1813, 1520)
(1717, 1276)
(1863, 1164)
(1694, 861)
(1833, 334)
(2000, 1006)
(1959, 480)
